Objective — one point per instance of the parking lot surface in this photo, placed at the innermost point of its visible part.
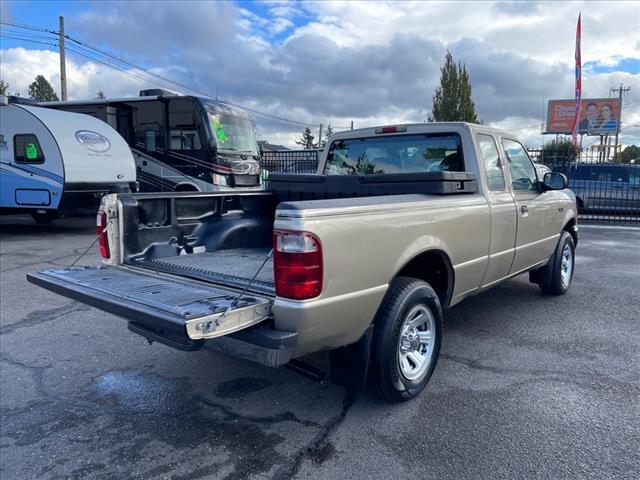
(527, 386)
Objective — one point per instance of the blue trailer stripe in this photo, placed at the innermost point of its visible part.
(37, 171)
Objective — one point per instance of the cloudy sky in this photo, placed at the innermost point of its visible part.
(335, 62)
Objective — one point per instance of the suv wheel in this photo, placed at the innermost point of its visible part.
(407, 337)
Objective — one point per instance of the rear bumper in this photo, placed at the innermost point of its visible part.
(260, 343)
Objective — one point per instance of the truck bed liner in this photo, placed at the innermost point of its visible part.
(234, 267)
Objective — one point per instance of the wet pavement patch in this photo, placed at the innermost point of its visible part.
(138, 392)
(240, 387)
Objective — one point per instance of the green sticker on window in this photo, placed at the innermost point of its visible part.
(31, 151)
(219, 128)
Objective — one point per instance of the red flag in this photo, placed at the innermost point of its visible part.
(576, 121)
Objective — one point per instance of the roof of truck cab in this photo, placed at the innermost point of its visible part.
(422, 127)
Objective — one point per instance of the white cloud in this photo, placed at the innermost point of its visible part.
(371, 62)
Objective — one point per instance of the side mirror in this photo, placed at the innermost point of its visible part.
(554, 181)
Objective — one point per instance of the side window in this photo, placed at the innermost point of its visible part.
(523, 173)
(183, 128)
(149, 126)
(491, 160)
(26, 149)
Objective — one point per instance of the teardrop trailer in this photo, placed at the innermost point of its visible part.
(54, 162)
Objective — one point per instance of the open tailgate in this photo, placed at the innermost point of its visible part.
(180, 310)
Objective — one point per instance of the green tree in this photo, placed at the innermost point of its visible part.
(452, 100)
(41, 90)
(306, 140)
(630, 153)
(561, 150)
(327, 136)
(100, 95)
(4, 88)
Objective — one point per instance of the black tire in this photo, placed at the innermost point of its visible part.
(405, 294)
(45, 217)
(555, 283)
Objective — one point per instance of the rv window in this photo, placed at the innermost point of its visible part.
(26, 149)
(184, 140)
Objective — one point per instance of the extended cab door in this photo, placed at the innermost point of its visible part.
(503, 212)
(537, 226)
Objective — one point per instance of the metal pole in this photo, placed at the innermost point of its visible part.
(63, 66)
(351, 124)
(320, 137)
(620, 92)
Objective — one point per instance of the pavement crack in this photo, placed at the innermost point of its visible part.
(43, 316)
(282, 417)
(319, 440)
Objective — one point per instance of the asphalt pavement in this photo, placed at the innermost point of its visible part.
(527, 386)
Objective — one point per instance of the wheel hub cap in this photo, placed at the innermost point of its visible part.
(416, 342)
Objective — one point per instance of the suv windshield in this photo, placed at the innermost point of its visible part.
(233, 134)
(396, 154)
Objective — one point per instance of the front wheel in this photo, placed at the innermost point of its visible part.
(562, 265)
(407, 337)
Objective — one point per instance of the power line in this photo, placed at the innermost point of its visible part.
(87, 46)
(27, 40)
(26, 27)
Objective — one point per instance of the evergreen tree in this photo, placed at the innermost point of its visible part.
(41, 90)
(306, 140)
(452, 100)
(327, 136)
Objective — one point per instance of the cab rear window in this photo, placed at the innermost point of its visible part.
(418, 153)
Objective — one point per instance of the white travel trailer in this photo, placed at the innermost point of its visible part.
(54, 162)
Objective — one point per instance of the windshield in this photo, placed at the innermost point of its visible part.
(233, 134)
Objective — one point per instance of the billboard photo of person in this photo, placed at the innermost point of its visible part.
(591, 120)
(606, 121)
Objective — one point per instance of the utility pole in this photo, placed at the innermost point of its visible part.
(320, 137)
(351, 124)
(619, 91)
(63, 65)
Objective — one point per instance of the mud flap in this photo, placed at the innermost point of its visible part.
(350, 365)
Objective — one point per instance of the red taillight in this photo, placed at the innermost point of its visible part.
(297, 264)
(101, 231)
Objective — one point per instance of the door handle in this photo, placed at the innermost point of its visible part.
(524, 209)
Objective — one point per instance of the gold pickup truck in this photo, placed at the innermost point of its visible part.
(399, 223)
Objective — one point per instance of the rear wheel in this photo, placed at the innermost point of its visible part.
(46, 216)
(407, 337)
(561, 267)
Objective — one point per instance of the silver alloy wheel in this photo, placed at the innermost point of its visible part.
(416, 342)
(566, 266)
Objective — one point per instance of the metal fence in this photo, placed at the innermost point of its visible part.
(606, 192)
(291, 161)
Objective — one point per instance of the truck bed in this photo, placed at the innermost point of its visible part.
(234, 267)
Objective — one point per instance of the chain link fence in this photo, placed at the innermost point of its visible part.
(606, 192)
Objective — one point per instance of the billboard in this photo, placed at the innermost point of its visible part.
(598, 116)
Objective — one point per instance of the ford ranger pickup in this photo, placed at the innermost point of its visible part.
(398, 224)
